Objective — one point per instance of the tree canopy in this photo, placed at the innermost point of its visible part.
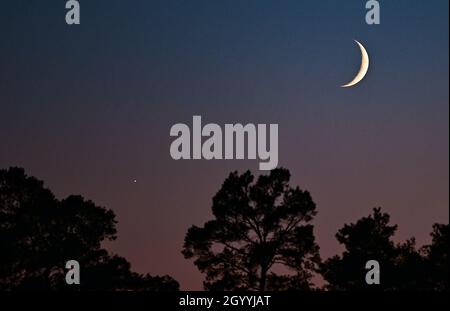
(39, 234)
(260, 238)
(403, 266)
(259, 229)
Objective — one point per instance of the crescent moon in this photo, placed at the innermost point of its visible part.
(363, 69)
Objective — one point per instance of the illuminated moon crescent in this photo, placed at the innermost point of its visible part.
(363, 69)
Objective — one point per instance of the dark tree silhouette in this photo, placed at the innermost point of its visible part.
(368, 239)
(257, 227)
(437, 257)
(402, 266)
(39, 234)
(105, 272)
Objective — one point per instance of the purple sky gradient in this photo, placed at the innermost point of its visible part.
(89, 110)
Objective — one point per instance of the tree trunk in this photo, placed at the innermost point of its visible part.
(262, 281)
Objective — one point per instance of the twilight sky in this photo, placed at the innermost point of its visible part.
(88, 109)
